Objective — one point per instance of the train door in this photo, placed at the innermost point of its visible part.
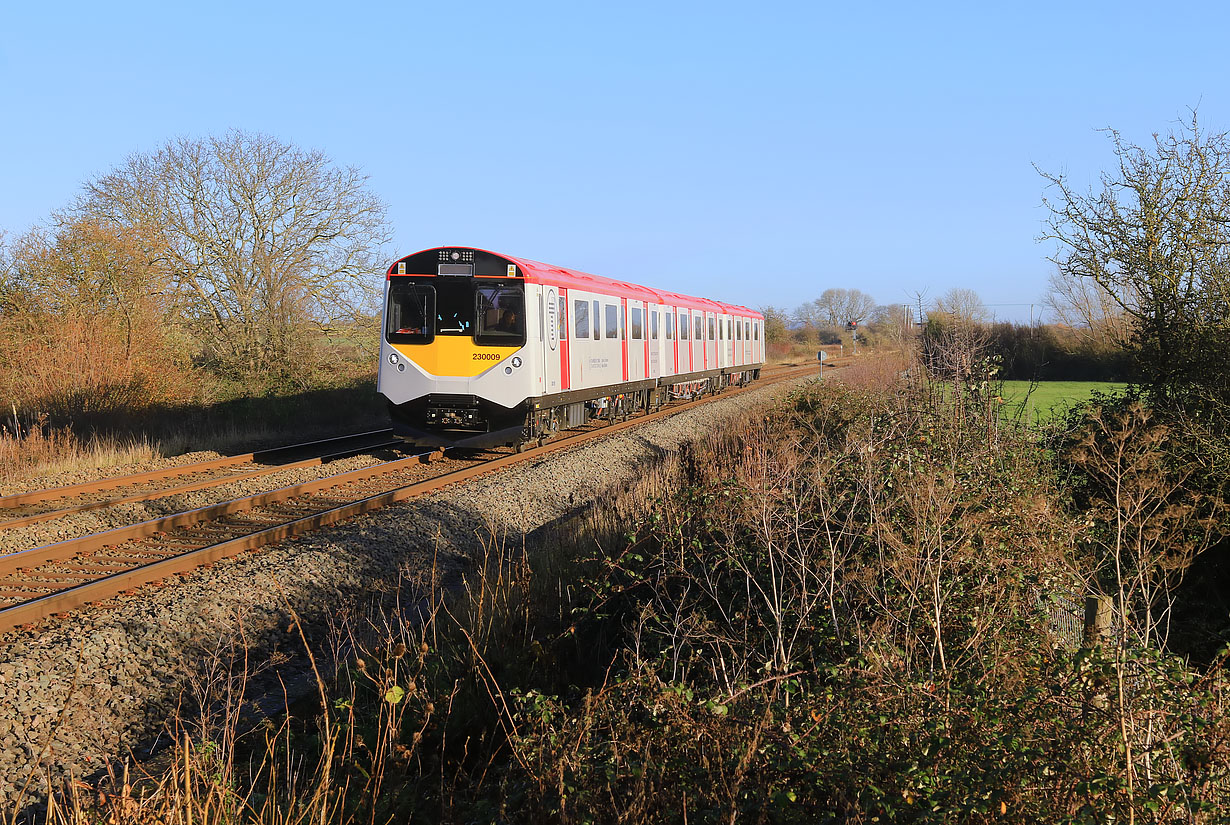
(655, 340)
(642, 340)
(738, 342)
(583, 315)
(672, 343)
(698, 335)
(711, 340)
(548, 336)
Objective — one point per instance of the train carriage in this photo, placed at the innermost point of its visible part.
(484, 350)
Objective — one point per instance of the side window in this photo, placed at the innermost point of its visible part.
(730, 332)
(683, 326)
(580, 318)
(755, 330)
(597, 322)
(653, 324)
(747, 330)
(738, 331)
(697, 327)
(563, 320)
(637, 331)
(711, 324)
(612, 321)
(670, 325)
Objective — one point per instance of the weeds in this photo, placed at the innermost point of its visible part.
(830, 613)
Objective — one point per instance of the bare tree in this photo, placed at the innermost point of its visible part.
(1086, 307)
(834, 309)
(841, 306)
(894, 323)
(963, 306)
(258, 238)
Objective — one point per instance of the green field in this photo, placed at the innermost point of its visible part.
(1050, 397)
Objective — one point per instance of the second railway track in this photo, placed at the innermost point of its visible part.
(60, 577)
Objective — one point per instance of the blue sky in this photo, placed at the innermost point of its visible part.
(754, 153)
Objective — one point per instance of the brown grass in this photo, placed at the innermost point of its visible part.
(43, 451)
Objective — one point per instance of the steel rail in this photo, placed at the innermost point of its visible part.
(188, 488)
(36, 496)
(154, 568)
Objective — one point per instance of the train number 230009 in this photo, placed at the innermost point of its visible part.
(486, 356)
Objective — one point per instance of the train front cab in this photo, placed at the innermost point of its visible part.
(453, 366)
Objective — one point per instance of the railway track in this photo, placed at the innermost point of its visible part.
(24, 509)
(56, 578)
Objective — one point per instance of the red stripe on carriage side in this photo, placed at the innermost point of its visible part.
(565, 378)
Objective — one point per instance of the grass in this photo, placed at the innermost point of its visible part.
(32, 447)
(1051, 397)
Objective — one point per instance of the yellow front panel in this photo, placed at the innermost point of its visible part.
(454, 355)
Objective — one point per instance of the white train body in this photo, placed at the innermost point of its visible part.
(482, 350)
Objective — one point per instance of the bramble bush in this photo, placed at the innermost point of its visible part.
(841, 617)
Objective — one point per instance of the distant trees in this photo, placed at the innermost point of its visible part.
(822, 320)
(893, 323)
(254, 239)
(1088, 309)
(963, 306)
(835, 307)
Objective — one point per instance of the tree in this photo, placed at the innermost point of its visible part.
(776, 321)
(962, 306)
(837, 307)
(827, 315)
(894, 323)
(1087, 308)
(258, 240)
(1155, 237)
(85, 323)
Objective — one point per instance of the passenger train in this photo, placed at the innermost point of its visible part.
(484, 350)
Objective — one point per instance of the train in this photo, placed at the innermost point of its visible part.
(481, 350)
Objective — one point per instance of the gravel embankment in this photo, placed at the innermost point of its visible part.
(81, 690)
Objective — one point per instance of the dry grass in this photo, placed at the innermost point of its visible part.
(44, 451)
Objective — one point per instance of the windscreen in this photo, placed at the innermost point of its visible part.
(500, 313)
(408, 319)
